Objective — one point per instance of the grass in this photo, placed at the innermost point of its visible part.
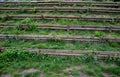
(13, 61)
(34, 31)
(64, 22)
(57, 44)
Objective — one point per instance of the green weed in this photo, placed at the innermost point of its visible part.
(98, 33)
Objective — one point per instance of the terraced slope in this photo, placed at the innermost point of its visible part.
(81, 33)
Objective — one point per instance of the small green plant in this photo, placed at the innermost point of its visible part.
(115, 44)
(31, 27)
(90, 58)
(26, 25)
(26, 21)
(98, 33)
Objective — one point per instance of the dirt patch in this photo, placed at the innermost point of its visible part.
(23, 72)
(41, 75)
(32, 70)
(83, 75)
(74, 67)
(71, 76)
(6, 75)
(106, 74)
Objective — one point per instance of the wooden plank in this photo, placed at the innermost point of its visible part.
(63, 9)
(67, 27)
(45, 17)
(51, 3)
(58, 37)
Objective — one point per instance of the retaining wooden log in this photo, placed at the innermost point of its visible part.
(62, 9)
(45, 17)
(61, 3)
(65, 27)
(66, 38)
